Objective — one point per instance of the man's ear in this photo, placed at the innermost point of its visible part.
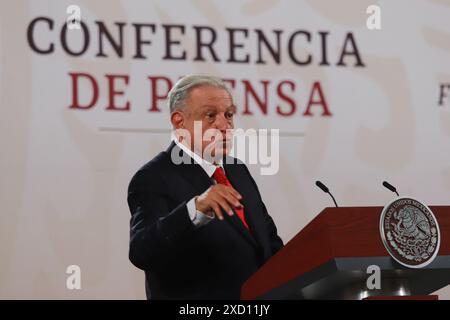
(177, 119)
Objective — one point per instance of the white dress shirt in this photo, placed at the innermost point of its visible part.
(198, 218)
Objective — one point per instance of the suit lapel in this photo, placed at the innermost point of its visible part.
(230, 171)
(189, 169)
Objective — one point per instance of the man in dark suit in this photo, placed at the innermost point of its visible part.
(199, 227)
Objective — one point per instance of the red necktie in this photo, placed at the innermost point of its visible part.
(221, 178)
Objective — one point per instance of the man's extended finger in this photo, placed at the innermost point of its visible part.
(224, 204)
(233, 191)
(217, 211)
(230, 197)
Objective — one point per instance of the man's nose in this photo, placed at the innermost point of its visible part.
(222, 123)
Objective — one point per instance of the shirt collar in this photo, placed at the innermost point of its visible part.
(207, 166)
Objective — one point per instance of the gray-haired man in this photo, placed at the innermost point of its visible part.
(199, 227)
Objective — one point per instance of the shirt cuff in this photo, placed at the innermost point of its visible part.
(198, 218)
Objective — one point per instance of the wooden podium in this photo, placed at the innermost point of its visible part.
(328, 259)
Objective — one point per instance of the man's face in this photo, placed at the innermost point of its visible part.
(212, 110)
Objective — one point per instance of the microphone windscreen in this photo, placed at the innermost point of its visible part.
(389, 186)
(322, 186)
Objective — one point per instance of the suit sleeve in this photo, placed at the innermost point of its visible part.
(275, 241)
(156, 233)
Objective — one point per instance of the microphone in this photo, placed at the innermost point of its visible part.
(389, 186)
(326, 190)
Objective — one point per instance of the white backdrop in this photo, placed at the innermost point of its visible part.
(65, 171)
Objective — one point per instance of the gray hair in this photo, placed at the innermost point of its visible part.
(180, 91)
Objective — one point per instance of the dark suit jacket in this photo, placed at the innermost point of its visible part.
(184, 262)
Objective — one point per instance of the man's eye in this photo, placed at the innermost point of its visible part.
(229, 115)
(210, 115)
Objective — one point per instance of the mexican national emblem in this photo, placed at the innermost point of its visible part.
(410, 232)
